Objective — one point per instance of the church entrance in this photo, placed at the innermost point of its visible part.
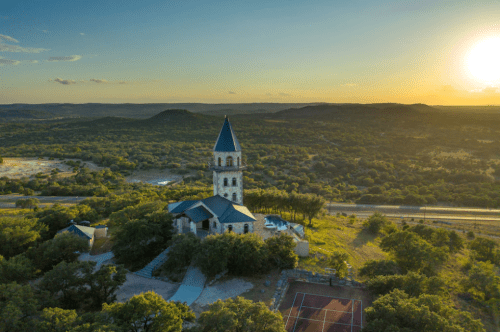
(205, 224)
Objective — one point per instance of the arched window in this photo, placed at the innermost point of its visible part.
(225, 195)
(220, 161)
(245, 229)
(234, 182)
(238, 161)
(230, 228)
(229, 161)
(225, 182)
(234, 197)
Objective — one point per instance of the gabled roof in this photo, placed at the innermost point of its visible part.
(83, 231)
(198, 214)
(225, 210)
(227, 141)
(180, 207)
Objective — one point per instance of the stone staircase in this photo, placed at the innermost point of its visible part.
(147, 271)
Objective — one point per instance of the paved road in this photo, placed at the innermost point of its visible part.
(404, 209)
(427, 216)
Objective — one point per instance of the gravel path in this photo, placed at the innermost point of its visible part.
(192, 286)
(99, 259)
(223, 290)
(136, 285)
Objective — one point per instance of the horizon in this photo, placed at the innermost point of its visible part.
(438, 53)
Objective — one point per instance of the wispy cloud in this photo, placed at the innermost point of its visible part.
(8, 38)
(8, 62)
(82, 34)
(231, 92)
(65, 58)
(44, 31)
(123, 82)
(32, 61)
(284, 94)
(98, 80)
(350, 85)
(64, 82)
(16, 48)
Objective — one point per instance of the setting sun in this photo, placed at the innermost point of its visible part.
(483, 61)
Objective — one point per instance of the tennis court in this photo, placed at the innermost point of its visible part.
(319, 313)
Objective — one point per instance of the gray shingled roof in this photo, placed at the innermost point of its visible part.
(83, 231)
(227, 141)
(181, 206)
(225, 210)
(198, 214)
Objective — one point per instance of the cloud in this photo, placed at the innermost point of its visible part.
(8, 38)
(64, 82)
(32, 61)
(231, 92)
(8, 62)
(123, 82)
(65, 58)
(45, 31)
(81, 33)
(284, 94)
(350, 85)
(98, 80)
(15, 48)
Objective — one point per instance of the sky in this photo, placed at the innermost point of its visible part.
(335, 51)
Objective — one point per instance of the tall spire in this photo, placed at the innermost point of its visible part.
(227, 141)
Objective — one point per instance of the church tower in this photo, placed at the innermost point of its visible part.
(228, 166)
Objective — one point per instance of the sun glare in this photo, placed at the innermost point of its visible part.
(483, 61)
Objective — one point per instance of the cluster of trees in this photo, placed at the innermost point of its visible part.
(412, 294)
(383, 165)
(241, 255)
(273, 201)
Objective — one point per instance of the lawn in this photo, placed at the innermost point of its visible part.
(338, 233)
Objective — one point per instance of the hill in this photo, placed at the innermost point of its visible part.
(10, 115)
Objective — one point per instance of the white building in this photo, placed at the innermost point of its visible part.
(224, 211)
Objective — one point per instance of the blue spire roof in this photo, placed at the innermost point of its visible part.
(227, 142)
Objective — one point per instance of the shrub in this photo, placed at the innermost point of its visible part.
(373, 268)
(377, 223)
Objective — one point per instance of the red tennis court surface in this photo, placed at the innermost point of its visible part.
(318, 313)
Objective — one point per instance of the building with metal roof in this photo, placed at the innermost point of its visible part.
(224, 211)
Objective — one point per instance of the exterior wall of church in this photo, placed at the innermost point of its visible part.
(229, 190)
(224, 155)
(238, 227)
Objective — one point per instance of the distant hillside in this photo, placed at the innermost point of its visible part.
(145, 111)
(8, 115)
(174, 115)
(327, 112)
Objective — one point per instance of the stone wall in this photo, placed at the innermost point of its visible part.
(307, 276)
(239, 227)
(219, 188)
(302, 248)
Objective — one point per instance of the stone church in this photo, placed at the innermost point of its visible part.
(224, 211)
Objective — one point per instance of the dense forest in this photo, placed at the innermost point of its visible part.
(380, 153)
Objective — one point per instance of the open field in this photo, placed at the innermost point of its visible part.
(16, 168)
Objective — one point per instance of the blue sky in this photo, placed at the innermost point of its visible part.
(235, 51)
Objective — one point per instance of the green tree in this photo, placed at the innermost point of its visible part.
(396, 311)
(412, 283)
(183, 248)
(484, 249)
(64, 247)
(338, 261)
(139, 241)
(412, 253)
(281, 251)
(69, 279)
(56, 320)
(240, 315)
(373, 268)
(377, 222)
(18, 268)
(482, 281)
(17, 235)
(149, 312)
(312, 206)
(104, 283)
(18, 306)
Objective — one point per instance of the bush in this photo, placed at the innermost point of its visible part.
(280, 250)
(377, 223)
(485, 250)
(373, 268)
(183, 248)
(413, 284)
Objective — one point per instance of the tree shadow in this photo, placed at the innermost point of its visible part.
(363, 238)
